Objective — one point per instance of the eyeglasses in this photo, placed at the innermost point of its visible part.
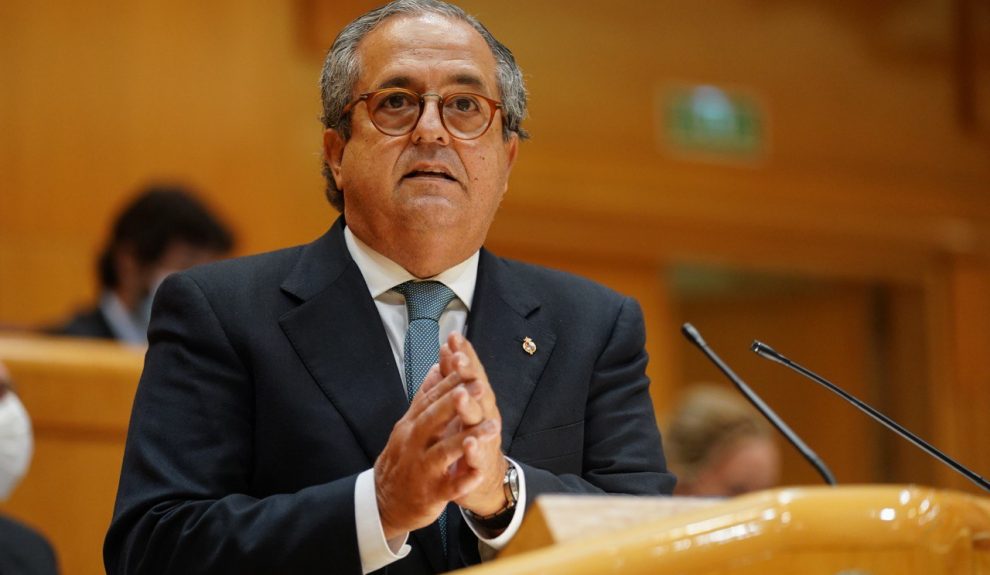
(396, 111)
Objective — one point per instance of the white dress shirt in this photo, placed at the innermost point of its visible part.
(381, 275)
(121, 321)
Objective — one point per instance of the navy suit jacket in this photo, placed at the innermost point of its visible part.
(269, 385)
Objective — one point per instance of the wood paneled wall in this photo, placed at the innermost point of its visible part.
(868, 170)
(99, 99)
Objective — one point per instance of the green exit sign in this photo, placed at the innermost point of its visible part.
(711, 123)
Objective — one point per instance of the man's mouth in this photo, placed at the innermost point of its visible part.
(429, 173)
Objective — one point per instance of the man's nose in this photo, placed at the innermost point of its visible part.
(429, 128)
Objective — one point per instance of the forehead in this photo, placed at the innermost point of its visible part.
(425, 52)
(753, 458)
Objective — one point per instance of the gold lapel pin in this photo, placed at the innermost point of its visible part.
(529, 346)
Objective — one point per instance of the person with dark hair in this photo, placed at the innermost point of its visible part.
(392, 396)
(163, 230)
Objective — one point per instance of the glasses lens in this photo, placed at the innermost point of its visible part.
(466, 115)
(394, 112)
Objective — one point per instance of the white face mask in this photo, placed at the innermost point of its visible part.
(16, 443)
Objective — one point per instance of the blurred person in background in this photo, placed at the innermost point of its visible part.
(23, 551)
(719, 445)
(164, 229)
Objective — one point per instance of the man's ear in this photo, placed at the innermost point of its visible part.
(333, 154)
(512, 148)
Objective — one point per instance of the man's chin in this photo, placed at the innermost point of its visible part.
(436, 213)
(432, 198)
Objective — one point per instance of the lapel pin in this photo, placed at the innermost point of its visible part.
(529, 346)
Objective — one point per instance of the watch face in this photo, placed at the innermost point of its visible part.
(512, 481)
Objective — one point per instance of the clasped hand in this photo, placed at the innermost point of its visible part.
(447, 446)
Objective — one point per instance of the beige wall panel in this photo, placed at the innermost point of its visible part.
(960, 393)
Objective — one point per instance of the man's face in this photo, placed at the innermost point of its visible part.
(427, 182)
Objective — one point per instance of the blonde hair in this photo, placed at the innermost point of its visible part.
(707, 420)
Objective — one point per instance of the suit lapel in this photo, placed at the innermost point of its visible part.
(337, 332)
(503, 315)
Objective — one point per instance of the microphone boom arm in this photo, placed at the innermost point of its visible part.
(767, 352)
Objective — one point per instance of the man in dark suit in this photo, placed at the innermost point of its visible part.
(278, 427)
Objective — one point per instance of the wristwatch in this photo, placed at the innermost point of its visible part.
(500, 519)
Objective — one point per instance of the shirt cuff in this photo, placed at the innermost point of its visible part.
(518, 512)
(376, 552)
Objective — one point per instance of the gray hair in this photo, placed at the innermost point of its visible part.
(342, 68)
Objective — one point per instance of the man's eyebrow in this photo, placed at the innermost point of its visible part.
(470, 80)
(395, 82)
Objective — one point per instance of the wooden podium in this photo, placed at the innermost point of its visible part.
(875, 530)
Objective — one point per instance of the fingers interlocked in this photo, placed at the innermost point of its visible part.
(416, 475)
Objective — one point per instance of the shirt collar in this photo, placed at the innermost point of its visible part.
(121, 322)
(382, 274)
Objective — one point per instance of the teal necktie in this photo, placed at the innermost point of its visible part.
(425, 301)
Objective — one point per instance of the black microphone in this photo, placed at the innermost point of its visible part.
(768, 352)
(694, 337)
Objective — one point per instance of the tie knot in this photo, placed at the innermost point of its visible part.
(425, 300)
